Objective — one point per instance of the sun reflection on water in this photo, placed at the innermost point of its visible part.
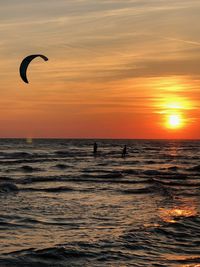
(171, 215)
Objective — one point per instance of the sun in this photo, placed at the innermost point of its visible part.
(174, 121)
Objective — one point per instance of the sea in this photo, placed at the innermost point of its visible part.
(61, 205)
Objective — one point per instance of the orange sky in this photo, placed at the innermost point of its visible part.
(116, 69)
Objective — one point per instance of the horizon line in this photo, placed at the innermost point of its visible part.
(97, 138)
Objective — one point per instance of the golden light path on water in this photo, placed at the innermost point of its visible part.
(173, 214)
(185, 209)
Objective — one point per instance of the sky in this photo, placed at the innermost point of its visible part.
(116, 69)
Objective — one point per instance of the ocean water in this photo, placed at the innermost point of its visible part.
(61, 206)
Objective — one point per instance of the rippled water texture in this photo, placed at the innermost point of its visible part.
(61, 206)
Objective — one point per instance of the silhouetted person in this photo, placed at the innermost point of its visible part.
(95, 148)
(124, 152)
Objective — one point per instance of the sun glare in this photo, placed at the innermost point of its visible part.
(175, 109)
(174, 121)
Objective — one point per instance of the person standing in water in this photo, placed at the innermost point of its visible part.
(95, 148)
(124, 152)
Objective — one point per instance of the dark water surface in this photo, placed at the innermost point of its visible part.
(61, 206)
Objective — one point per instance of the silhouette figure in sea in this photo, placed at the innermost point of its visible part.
(124, 152)
(95, 149)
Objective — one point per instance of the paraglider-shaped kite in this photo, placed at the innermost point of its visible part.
(25, 63)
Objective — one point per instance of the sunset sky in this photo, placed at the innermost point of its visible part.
(116, 69)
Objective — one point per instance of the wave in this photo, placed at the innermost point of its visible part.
(21, 161)
(61, 166)
(167, 244)
(6, 179)
(145, 190)
(27, 168)
(81, 178)
(165, 174)
(63, 153)
(173, 168)
(114, 174)
(69, 255)
(150, 162)
(19, 155)
(195, 168)
(177, 183)
(53, 256)
(50, 190)
(153, 172)
(70, 153)
(41, 179)
(7, 187)
(131, 171)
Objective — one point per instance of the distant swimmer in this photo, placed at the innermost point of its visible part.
(124, 152)
(95, 148)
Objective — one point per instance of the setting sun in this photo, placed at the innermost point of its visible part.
(174, 121)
